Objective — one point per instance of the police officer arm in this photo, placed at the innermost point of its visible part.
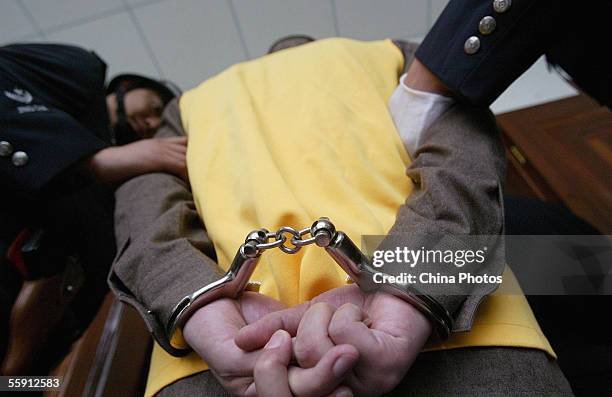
(477, 48)
(116, 164)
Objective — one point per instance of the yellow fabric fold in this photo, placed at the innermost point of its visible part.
(300, 134)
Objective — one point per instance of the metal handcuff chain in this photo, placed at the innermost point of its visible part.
(323, 233)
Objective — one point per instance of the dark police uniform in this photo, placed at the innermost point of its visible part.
(52, 115)
(479, 47)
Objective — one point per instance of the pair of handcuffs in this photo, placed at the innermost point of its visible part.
(322, 233)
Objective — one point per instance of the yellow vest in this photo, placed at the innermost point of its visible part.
(296, 135)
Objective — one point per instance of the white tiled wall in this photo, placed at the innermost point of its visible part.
(191, 39)
(53, 14)
(188, 41)
(365, 19)
(265, 21)
(110, 36)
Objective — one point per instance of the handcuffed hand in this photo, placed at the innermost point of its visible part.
(262, 371)
(387, 333)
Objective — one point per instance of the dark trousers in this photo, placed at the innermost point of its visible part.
(78, 225)
(583, 343)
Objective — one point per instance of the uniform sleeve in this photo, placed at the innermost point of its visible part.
(52, 115)
(165, 253)
(48, 142)
(479, 47)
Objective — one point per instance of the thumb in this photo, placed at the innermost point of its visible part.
(256, 335)
(270, 371)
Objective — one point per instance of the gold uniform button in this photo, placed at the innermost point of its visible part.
(472, 45)
(501, 6)
(487, 25)
(6, 149)
(20, 159)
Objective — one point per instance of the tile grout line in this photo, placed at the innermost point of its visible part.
(84, 20)
(91, 18)
(31, 18)
(144, 39)
(334, 10)
(238, 28)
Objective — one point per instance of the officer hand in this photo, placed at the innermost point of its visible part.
(387, 332)
(119, 163)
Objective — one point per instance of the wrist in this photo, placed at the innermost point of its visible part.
(419, 326)
(420, 78)
(97, 164)
(199, 322)
(193, 324)
(116, 164)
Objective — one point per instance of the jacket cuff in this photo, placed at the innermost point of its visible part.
(456, 205)
(478, 75)
(165, 252)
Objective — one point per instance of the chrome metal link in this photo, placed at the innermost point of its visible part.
(280, 239)
(273, 244)
(322, 233)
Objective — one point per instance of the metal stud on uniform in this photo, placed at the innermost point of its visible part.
(6, 149)
(20, 159)
(487, 25)
(472, 45)
(501, 6)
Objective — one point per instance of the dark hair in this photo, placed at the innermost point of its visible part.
(127, 82)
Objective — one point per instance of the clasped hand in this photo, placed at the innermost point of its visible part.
(341, 343)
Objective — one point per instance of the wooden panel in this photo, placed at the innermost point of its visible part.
(110, 359)
(568, 144)
(522, 179)
(75, 367)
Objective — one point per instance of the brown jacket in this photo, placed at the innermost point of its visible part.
(164, 252)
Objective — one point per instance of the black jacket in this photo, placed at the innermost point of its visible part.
(52, 110)
(573, 35)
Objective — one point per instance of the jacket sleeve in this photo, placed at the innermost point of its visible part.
(164, 251)
(456, 204)
(505, 38)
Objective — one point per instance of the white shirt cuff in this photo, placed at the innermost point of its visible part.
(413, 111)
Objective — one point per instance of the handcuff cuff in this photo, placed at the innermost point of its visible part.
(323, 233)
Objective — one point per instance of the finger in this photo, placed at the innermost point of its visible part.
(255, 305)
(347, 326)
(257, 334)
(177, 144)
(210, 332)
(271, 367)
(178, 157)
(342, 391)
(181, 149)
(173, 161)
(312, 340)
(179, 139)
(177, 168)
(324, 378)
